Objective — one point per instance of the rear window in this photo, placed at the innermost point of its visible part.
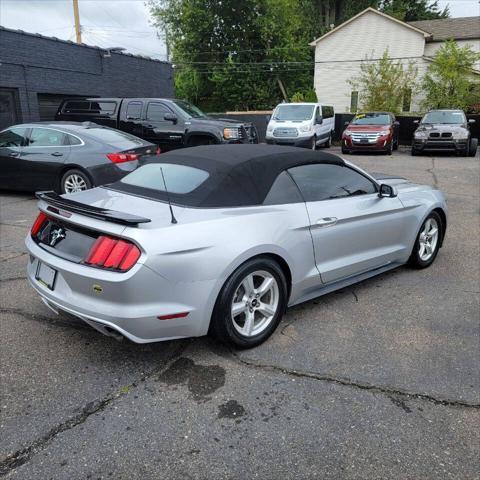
(115, 138)
(103, 108)
(180, 179)
(76, 107)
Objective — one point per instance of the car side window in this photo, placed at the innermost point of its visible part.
(13, 137)
(134, 110)
(76, 106)
(46, 137)
(318, 115)
(324, 182)
(327, 111)
(71, 140)
(283, 191)
(156, 111)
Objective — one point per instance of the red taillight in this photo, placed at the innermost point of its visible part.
(38, 223)
(113, 253)
(122, 157)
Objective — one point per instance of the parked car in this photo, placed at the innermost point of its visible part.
(372, 131)
(67, 157)
(301, 125)
(242, 232)
(446, 130)
(169, 123)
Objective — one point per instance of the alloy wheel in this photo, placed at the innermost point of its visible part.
(75, 183)
(255, 303)
(428, 239)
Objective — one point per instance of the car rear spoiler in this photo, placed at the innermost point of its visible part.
(55, 200)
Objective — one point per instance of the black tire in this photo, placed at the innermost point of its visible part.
(415, 261)
(222, 325)
(74, 173)
(345, 150)
(414, 152)
(328, 143)
(395, 144)
(389, 150)
(313, 143)
(198, 141)
(473, 147)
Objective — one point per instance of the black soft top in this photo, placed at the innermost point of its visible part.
(239, 175)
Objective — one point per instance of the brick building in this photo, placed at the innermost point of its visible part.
(37, 72)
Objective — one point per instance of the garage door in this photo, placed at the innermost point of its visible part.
(9, 111)
(48, 104)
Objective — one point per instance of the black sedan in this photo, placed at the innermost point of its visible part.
(66, 156)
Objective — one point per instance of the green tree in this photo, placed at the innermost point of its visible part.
(450, 81)
(384, 84)
(411, 10)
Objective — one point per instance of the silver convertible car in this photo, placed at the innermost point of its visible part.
(223, 239)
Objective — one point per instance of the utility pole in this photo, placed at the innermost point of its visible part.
(78, 28)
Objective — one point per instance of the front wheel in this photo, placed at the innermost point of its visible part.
(250, 304)
(313, 144)
(74, 181)
(428, 242)
(472, 151)
(328, 143)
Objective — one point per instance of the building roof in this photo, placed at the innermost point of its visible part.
(363, 12)
(444, 28)
(84, 45)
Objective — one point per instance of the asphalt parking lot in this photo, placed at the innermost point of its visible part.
(377, 381)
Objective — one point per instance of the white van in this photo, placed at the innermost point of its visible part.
(301, 124)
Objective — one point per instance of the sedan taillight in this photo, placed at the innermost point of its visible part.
(113, 253)
(38, 223)
(122, 157)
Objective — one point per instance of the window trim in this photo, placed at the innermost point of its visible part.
(351, 167)
(134, 102)
(52, 146)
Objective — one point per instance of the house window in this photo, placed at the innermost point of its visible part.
(407, 100)
(354, 102)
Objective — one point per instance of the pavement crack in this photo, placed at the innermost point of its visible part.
(431, 170)
(13, 258)
(22, 456)
(388, 391)
(13, 279)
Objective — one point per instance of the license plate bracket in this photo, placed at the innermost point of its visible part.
(46, 275)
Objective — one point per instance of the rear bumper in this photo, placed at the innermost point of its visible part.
(127, 304)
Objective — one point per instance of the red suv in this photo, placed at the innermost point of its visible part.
(371, 131)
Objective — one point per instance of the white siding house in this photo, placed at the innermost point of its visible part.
(340, 52)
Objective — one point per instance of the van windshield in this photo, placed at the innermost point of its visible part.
(294, 113)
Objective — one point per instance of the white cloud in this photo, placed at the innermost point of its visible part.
(105, 23)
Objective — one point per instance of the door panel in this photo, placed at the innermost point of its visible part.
(162, 132)
(355, 234)
(43, 157)
(11, 145)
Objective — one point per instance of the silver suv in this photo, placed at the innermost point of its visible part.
(446, 130)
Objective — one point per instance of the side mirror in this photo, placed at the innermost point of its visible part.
(471, 120)
(387, 191)
(416, 121)
(170, 117)
(396, 122)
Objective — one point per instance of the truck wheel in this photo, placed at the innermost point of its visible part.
(473, 147)
(197, 141)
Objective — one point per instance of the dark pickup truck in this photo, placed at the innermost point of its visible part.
(169, 123)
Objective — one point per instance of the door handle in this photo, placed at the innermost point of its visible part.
(57, 154)
(149, 126)
(327, 222)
